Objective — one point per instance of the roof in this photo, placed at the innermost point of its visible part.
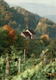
(31, 31)
(27, 34)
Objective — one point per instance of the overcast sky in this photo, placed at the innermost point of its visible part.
(48, 2)
(41, 7)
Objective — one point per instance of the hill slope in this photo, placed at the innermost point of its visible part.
(20, 19)
(17, 17)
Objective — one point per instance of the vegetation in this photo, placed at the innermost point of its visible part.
(25, 59)
(20, 62)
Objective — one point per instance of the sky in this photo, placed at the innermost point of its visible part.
(41, 7)
(47, 2)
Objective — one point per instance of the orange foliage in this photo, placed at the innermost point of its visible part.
(45, 37)
(11, 31)
(7, 28)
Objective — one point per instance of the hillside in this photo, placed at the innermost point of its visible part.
(52, 17)
(46, 26)
(20, 19)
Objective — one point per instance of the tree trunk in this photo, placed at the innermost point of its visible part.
(7, 65)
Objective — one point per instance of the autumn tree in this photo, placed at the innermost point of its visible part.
(6, 41)
(45, 38)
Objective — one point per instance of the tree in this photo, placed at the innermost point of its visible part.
(35, 47)
(6, 42)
